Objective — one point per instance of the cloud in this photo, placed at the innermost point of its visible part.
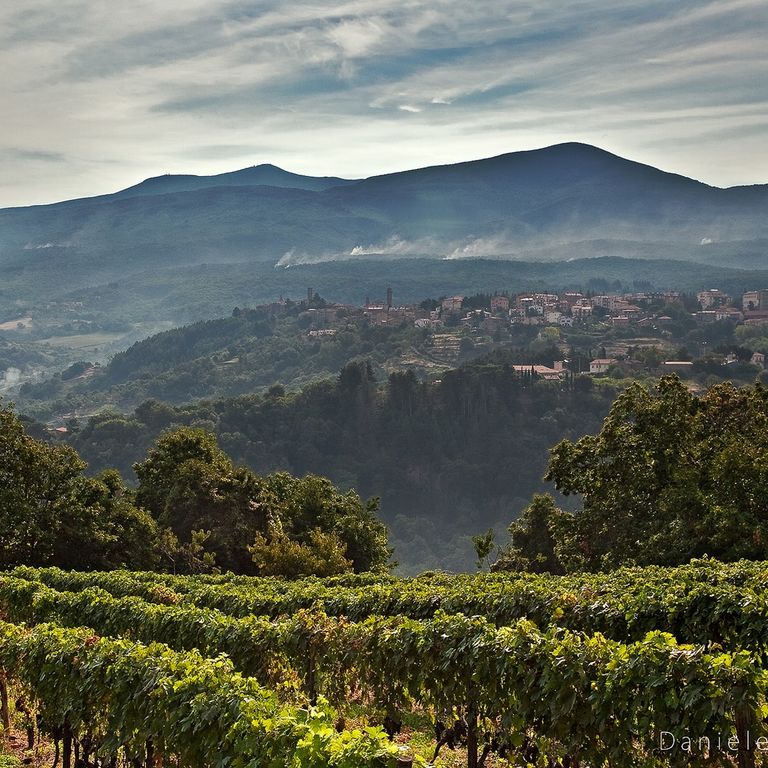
(105, 94)
(15, 154)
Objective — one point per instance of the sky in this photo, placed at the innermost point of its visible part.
(97, 95)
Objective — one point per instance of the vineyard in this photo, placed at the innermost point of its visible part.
(640, 667)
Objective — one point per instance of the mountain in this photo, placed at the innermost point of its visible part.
(564, 201)
(264, 175)
(559, 195)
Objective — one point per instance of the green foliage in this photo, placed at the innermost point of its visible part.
(159, 474)
(190, 557)
(193, 511)
(189, 708)
(310, 507)
(483, 544)
(53, 513)
(322, 555)
(517, 687)
(447, 458)
(534, 538)
(670, 476)
(189, 484)
(702, 601)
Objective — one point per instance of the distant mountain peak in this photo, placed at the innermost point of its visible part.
(264, 174)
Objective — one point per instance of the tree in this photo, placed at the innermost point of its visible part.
(38, 488)
(106, 529)
(312, 502)
(52, 514)
(158, 474)
(189, 484)
(670, 476)
(323, 554)
(534, 538)
(483, 544)
(155, 414)
(186, 558)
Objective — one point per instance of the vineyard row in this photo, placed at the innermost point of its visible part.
(516, 689)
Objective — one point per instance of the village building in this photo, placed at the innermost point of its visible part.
(555, 373)
(499, 303)
(677, 366)
(712, 298)
(571, 298)
(600, 365)
(580, 311)
(452, 303)
(428, 322)
(728, 313)
(752, 301)
(705, 317)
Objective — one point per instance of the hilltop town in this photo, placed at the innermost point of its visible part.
(621, 323)
(704, 338)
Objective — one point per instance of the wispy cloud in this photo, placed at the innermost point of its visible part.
(99, 95)
(16, 154)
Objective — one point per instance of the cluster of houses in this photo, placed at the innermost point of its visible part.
(630, 309)
(564, 309)
(638, 310)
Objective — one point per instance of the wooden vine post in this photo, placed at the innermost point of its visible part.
(472, 745)
(5, 710)
(66, 757)
(311, 683)
(745, 756)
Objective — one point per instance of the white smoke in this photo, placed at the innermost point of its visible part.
(482, 248)
(38, 246)
(10, 378)
(294, 257)
(396, 246)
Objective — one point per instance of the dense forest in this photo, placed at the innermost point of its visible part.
(447, 458)
(192, 510)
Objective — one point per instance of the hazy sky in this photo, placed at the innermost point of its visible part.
(96, 95)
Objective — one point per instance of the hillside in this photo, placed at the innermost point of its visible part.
(524, 204)
(448, 459)
(249, 350)
(225, 357)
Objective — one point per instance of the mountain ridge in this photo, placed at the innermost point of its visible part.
(508, 206)
(264, 174)
(321, 183)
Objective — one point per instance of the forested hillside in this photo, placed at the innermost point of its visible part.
(246, 352)
(448, 459)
